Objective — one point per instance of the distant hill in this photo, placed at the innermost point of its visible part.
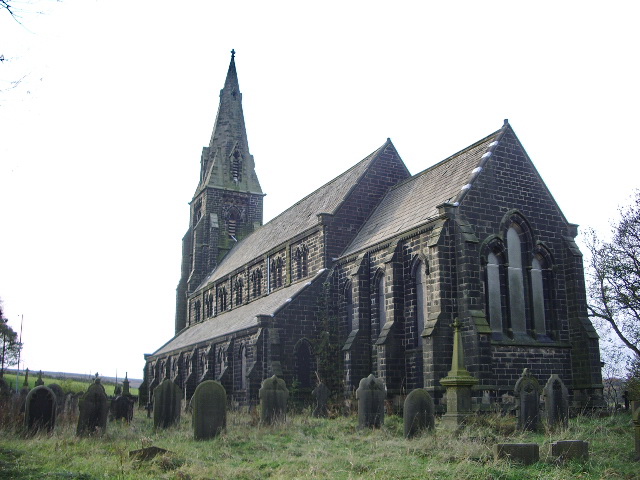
(83, 377)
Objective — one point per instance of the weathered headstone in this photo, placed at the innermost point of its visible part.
(418, 412)
(525, 453)
(40, 410)
(57, 389)
(527, 392)
(167, 398)
(556, 402)
(94, 409)
(26, 379)
(273, 400)
(371, 394)
(122, 408)
(321, 394)
(71, 403)
(565, 450)
(209, 405)
(39, 380)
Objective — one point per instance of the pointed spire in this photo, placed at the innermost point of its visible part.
(227, 163)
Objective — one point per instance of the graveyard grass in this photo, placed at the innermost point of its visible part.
(307, 447)
(67, 384)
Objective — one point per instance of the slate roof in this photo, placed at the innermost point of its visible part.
(293, 221)
(414, 201)
(236, 319)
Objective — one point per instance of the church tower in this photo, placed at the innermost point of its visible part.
(227, 204)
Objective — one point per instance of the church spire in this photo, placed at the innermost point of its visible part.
(227, 163)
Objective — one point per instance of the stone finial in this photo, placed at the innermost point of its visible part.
(233, 54)
(125, 385)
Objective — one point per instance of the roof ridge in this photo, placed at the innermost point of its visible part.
(449, 158)
(368, 157)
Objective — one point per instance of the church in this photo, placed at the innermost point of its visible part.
(368, 273)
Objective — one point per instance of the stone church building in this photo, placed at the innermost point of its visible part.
(382, 262)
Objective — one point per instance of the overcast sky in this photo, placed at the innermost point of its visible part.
(105, 107)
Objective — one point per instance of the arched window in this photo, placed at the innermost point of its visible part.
(233, 220)
(256, 282)
(243, 367)
(304, 360)
(348, 306)
(380, 298)
(421, 300)
(196, 308)
(542, 291)
(238, 287)
(222, 359)
(209, 303)
(494, 293)
(301, 257)
(517, 306)
(276, 273)
(222, 299)
(236, 166)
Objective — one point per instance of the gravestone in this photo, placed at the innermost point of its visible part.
(321, 394)
(556, 402)
(94, 409)
(125, 385)
(566, 450)
(525, 453)
(122, 408)
(209, 405)
(39, 380)
(40, 410)
(26, 379)
(167, 398)
(371, 394)
(273, 400)
(418, 412)
(527, 392)
(57, 389)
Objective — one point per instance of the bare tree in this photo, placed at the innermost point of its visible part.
(614, 277)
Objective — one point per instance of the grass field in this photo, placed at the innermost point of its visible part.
(67, 384)
(306, 447)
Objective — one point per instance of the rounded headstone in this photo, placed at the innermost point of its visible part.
(209, 405)
(167, 400)
(418, 412)
(40, 409)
